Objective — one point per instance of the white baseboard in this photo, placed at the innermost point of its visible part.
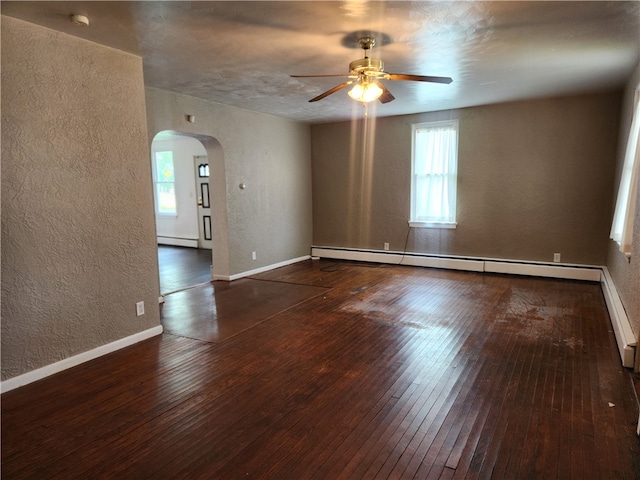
(446, 263)
(266, 268)
(357, 255)
(619, 320)
(75, 360)
(541, 270)
(178, 242)
(472, 264)
(625, 338)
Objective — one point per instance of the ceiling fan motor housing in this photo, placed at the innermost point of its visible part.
(367, 66)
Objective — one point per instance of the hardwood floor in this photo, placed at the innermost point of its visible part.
(182, 267)
(390, 372)
(219, 310)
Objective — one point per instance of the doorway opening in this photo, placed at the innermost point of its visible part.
(184, 208)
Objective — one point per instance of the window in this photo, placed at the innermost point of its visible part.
(434, 174)
(622, 227)
(203, 170)
(164, 180)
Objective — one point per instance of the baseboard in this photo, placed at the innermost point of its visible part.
(625, 338)
(266, 268)
(178, 242)
(566, 272)
(619, 320)
(75, 360)
(445, 263)
(473, 264)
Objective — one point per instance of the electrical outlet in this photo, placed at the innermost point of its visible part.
(139, 308)
(386, 245)
(253, 255)
(556, 257)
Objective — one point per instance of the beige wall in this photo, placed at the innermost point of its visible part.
(78, 221)
(535, 178)
(270, 155)
(78, 234)
(626, 272)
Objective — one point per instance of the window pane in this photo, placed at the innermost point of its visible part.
(434, 169)
(165, 183)
(624, 214)
(166, 198)
(164, 166)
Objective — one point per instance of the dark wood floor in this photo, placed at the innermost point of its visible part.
(219, 310)
(390, 372)
(182, 267)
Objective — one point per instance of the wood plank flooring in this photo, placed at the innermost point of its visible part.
(213, 312)
(391, 373)
(182, 267)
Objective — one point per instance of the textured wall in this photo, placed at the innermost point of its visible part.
(626, 272)
(535, 178)
(77, 210)
(272, 216)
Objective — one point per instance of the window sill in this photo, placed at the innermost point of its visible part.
(433, 224)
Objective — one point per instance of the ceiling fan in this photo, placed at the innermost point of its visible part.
(365, 74)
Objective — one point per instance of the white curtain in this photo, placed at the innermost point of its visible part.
(435, 174)
(622, 227)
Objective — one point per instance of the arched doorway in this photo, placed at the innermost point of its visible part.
(190, 209)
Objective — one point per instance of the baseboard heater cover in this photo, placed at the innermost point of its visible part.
(619, 321)
(571, 272)
(541, 270)
(177, 241)
(48, 370)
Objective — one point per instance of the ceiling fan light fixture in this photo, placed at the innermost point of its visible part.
(365, 92)
(366, 73)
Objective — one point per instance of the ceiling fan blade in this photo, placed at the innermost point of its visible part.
(318, 76)
(419, 78)
(329, 92)
(386, 96)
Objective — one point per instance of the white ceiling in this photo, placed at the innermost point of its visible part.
(243, 53)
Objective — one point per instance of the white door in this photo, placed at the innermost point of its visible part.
(201, 164)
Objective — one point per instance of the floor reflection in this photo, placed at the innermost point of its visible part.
(217, 311)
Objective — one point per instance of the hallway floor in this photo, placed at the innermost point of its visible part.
(183, 267)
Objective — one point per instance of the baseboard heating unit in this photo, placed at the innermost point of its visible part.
(178, 241)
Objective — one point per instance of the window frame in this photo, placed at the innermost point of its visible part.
(157, 182)
(624, 211)
(451, 222)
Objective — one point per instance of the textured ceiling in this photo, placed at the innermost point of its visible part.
(242, 53)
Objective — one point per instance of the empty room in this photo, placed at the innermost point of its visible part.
(320, 240)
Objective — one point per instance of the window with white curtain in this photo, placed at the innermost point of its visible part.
(434, 174)
(622, 227)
